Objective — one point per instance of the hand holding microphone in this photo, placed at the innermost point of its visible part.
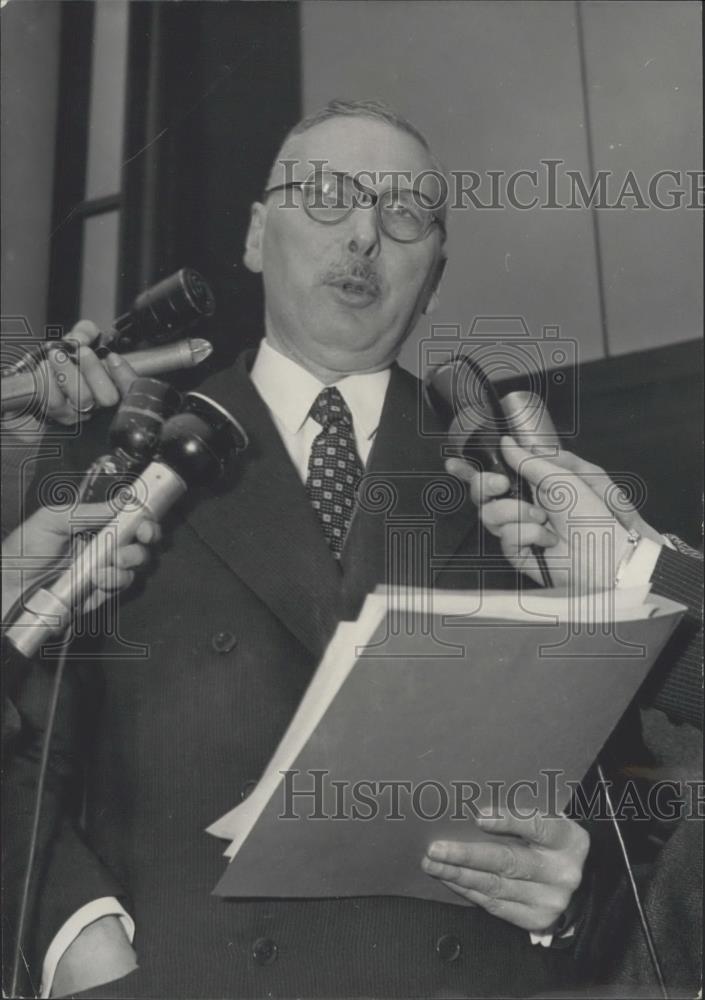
(67, 380)
(193, 448)
(46, 536)
(69, 384)
(465, 399)
(565, 530)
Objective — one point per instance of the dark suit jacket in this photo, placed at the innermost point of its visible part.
(180, 713)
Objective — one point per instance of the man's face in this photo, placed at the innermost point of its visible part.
(313, 313)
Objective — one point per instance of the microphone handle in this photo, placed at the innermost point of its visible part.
(50, 611)
(17, 389)
(530, 423)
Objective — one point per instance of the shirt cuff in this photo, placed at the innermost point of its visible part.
(637, 572)
(106, 906)
(546, 940)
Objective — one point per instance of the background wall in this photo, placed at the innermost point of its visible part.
(501, 86)
(213, 86)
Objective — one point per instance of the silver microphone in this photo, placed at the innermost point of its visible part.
(18, 390)
(195, 446)
(529, 422)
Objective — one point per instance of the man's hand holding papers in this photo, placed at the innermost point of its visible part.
(529, 882)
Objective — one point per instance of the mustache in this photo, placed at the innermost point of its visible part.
(363, 271)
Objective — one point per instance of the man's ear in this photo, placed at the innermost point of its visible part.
(253, 241)
(434, 285)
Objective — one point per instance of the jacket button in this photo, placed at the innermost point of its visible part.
(264, 951)
(448, 947)
(247, 788)
(223, 642)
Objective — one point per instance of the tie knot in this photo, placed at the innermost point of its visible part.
(329, 407)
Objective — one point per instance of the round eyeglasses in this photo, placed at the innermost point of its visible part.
(329, 197)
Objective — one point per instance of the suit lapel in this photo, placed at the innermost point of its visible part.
(398, 496)
(263, 526)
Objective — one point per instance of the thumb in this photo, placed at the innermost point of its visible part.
(531, 467)
(83, 333)
(121, 372)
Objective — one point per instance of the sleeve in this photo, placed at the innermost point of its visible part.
(67, 874)
(676, 683)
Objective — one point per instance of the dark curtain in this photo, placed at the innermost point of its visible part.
(215, 87)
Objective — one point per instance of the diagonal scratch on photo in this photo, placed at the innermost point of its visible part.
(352, 575)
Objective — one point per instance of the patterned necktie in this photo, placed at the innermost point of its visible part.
(334, 467)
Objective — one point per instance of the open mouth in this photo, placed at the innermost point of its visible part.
(354, 288)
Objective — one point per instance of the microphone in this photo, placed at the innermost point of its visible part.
(529, 422)
(27, 387)
(465, 398)
(159, 314)
(133, 435)
(195, 446)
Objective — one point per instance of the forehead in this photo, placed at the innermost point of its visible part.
(352, 145)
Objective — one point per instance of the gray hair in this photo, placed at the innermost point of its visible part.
(360, 109)
(376, 110)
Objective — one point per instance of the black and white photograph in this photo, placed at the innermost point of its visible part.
(352, 499)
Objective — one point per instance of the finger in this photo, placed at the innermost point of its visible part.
(512, 861)
(131, 556)
(527, 917)
(102, 387)
(148, 532)
(484, 486)
(600, 482)
(53, 399)
(121, 372)
(96, 598)
(574, 463)
(554, 486)
(532, 467)
(534, 894)
(515, 537)
(551, 832)
(496, 513)
(70, 380)
(84, 332)
(112, 578)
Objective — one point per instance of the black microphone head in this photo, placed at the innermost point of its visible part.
(465, 398)
(163, 312)
(198, 441)
(137, 425)
(467, 401)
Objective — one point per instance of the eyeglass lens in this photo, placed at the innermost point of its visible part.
(330, 197)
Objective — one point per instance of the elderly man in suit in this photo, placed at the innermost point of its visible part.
(246, 594)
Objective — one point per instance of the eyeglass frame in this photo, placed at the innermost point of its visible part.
(374, 199)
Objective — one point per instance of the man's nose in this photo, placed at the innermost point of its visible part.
(363, 234)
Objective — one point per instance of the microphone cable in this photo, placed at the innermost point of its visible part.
(18, 955)
(46, 579)
(643, 919)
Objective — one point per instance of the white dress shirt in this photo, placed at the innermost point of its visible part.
(289, 392)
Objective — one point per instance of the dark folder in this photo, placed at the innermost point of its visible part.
(450, 702)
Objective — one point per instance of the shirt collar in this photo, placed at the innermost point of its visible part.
(290, 390)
